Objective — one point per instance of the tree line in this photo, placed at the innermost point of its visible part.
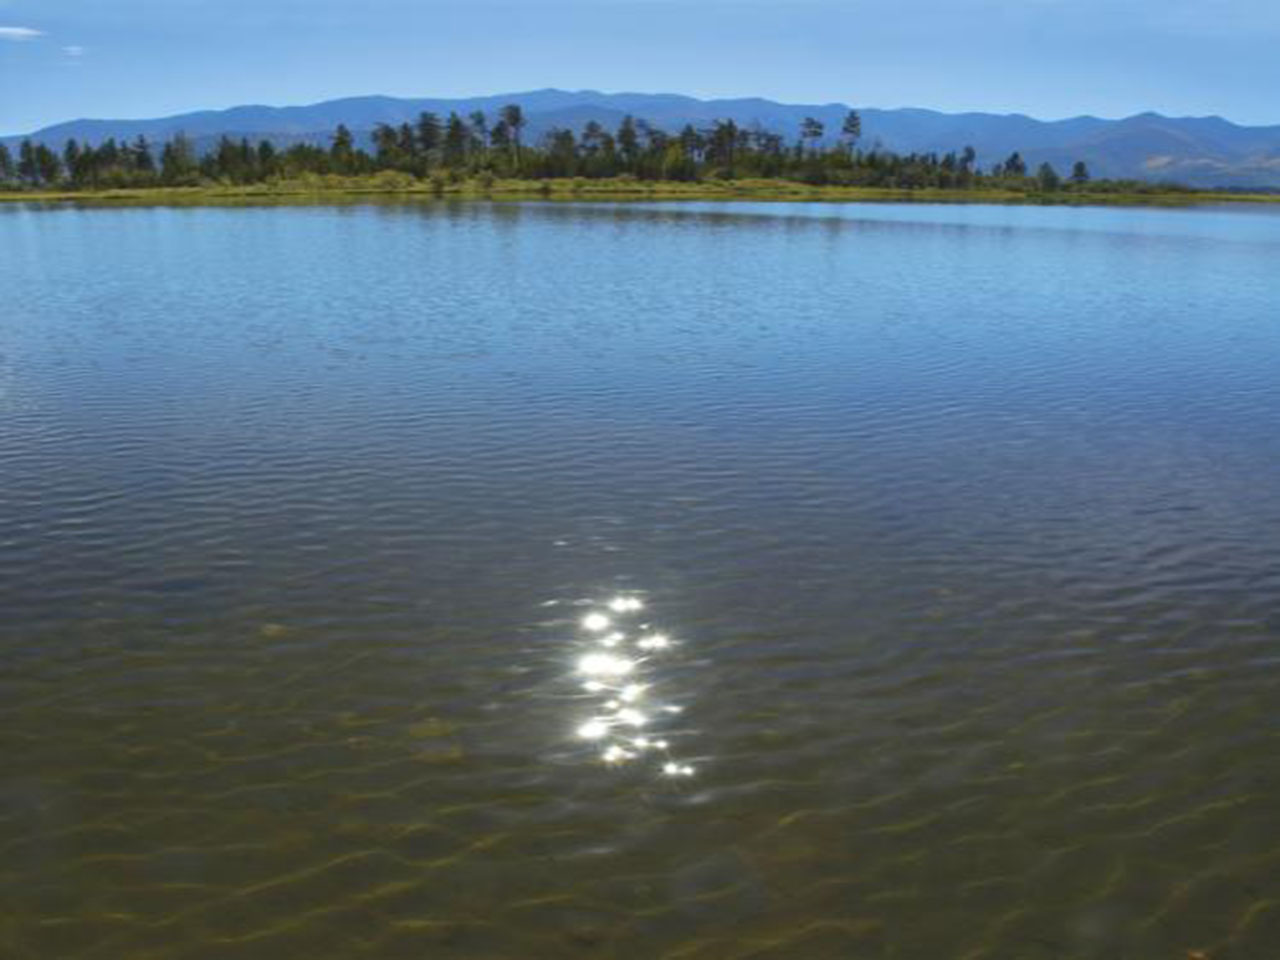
(456, 147)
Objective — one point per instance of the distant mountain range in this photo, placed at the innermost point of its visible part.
(1200, 151)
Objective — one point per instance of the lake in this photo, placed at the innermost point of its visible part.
(692, 581)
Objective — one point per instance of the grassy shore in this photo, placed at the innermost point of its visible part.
(398, 186)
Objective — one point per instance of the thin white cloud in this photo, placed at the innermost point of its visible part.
(73, 50)
(19, 33)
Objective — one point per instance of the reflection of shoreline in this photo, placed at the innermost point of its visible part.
(613, 667)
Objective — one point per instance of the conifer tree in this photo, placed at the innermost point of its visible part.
(342, 150)
(428, 130)
(27, 171)
(851, 129)
(48, 166)
(143, 161)
(513, 116)
(1047, 178)
(456, 139)
(178, 164)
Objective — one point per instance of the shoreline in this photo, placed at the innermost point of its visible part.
(322, 190)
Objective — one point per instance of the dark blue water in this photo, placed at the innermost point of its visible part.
(962, 524)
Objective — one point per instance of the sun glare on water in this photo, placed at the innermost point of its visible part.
(617, 667)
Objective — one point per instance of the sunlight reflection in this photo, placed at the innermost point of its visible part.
(605, 665)
(625, 705)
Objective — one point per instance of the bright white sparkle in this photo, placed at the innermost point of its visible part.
(614, 665)
(605, 665)
(615, 754)
(596, 621)
(634, 717)
(593, 730)
(657, 641)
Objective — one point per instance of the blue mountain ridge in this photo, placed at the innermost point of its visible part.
(1200, 151)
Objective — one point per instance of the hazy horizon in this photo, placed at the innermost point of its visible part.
(1047, 59)
(585, 90)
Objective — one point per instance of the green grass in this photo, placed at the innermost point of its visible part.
(393, 185)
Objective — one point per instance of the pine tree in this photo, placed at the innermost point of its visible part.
(456, 139)
(342, 150)
(811, 131)
(1015, 166)
(407, 144)
(386, 145)
(48, 166)
(1047, 178)
(267, 159)
(73, 159)
(628, 142)
(513, 117)
(178, 164)
(27, 171)
(851, 129)
(428, 133)
(143, 161)
(479, 128)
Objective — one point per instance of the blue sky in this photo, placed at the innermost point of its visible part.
(63, 59)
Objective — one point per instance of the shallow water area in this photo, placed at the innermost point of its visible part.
(334, 543)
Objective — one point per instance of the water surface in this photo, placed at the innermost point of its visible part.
(962, 523)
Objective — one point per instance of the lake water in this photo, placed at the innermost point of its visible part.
(961, 523)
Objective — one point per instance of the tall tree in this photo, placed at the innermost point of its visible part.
(562, 148)
(513, 117)
(428, 134)
(722, 144)
(479, 128)
(500, 138)
(27, 170)
(73, 160)
(6, 164)
(386, 145)
(48, 166)
(178, 164)
(342, 151)
(592, 137)
(628, 142)
(811, 131)
(108, 154)
(143, 161)
(456, 139)
(692, 143)
(267, 160)
(851, 129)
(407, 144)
(1079, 173)
(1047, 178)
